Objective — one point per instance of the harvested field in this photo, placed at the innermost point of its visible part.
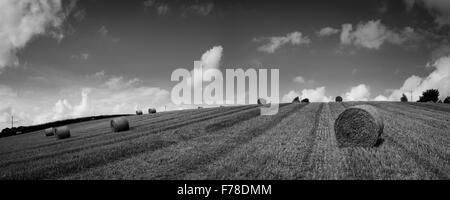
(238, 143)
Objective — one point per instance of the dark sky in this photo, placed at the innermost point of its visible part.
(106, 56)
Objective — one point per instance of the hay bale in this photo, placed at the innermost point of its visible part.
(49, 131)
(151, 110)
(305, 100)
(359, 126)
(139, 112)
(261, 101)
(62, 132)
(119, 124)
(296, 100)
(338, 99)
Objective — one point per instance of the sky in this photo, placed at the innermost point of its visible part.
(66, 59)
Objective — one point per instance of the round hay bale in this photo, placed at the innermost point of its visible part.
(119, 124)
(49, 131)
(261, 101)
(61, 132)
(151, 110)
(338, 99)
(359, 126)
(139, 112)
(296, 100)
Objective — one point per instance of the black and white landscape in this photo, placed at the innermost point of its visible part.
(110, 89)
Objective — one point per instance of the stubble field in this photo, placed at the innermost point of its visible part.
(238, 143)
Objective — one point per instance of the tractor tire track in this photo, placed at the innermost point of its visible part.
(310, 141)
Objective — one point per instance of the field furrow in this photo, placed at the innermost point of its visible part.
(64, 162)
(178, 160)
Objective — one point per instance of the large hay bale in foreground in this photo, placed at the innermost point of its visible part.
(359, 126)
(119, 124)
(49, 131)
(62, 132)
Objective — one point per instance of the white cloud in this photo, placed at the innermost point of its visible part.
(314, 95)
(22, 20)
(437, 79)
(380, 98)
(440, 9)
(373, 34)
(299, 79)
(274, 43)
(327, 31)
(357, 93)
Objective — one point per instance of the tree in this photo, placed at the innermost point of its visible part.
(429, 95)
(447, 100)
(338, 99)
(296, 100)
(305, 100)
(404, 98)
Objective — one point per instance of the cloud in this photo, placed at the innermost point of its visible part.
(327, 31)
(274, 43)
(357, 93)
(439, 9)
(203, 9)
(439, 79)
(104, 32)
(314, 95)
(380, 98)
(163, 9)
(354, 71)
(118, 82)
(373, 34)
(211, 60)
(21, 21)
(299, 79)
(82, 56)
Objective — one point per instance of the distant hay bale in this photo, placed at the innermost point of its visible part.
(139, 112)
(261, 101)
(151, 110)
(62, 132)
(49, 131)
(338, 99)
(359, 126)
(305, 100)
(296, 100)
(119, 124)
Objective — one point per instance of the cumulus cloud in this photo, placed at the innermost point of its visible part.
(274, 43)
(357, 93)
(439, 9)
(373, 34)
(22, 20)
(186, 8)
(380, 98)
(327, 31)
(314, 95)
(439, 79)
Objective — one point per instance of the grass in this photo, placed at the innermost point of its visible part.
(238, 143)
